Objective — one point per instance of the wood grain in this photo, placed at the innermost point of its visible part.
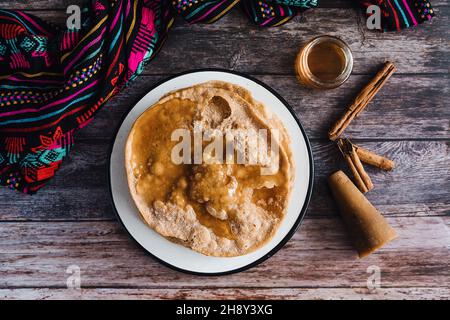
(62, 4)
(245, 47)
(229, 294)
(395, 113)
(233, 43)
(36, 254)
(71, 221)
(80, 189)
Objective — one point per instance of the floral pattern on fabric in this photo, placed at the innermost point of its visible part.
(53, 81)
(400, 14)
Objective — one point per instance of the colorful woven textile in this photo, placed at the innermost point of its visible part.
(52, 82)
(400, 14)
(395, 14)
(264, 13)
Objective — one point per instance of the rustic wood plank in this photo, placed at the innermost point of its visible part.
(408, 107)
(229, 294)
(233, 43)
(414, 196)
(320, 255)
(417, 187)
(62, 4)
(38, 5)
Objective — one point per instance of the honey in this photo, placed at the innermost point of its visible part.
(323, 63)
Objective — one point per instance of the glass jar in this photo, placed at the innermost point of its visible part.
(324, 62)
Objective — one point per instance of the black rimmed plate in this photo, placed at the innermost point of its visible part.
(177, 256)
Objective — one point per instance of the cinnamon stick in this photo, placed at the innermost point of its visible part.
(362, 100)
(374, 159)
(360, 175)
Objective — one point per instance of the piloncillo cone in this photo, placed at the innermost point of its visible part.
(368, 228)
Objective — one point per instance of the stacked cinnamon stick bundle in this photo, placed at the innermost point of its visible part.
(367, 226)
(353, 154)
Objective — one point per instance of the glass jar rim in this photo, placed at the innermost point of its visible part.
(347, 70)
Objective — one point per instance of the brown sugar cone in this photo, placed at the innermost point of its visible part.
(368, 228)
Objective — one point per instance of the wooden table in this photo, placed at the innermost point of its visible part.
(71, 222)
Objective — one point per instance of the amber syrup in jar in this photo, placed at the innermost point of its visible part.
(324, 62)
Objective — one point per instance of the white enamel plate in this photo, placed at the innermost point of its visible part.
(177, 256)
